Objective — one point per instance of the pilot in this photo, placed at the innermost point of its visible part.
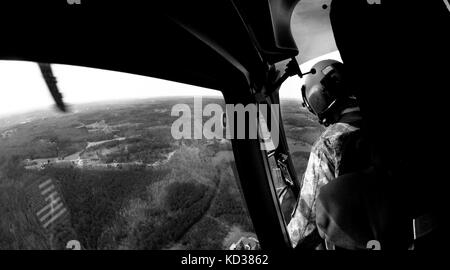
(326, 95)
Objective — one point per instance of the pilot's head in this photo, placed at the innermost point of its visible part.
(325, 93)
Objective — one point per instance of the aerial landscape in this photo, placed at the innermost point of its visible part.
(111, 176)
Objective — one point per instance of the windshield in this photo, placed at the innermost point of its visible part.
(109, 174)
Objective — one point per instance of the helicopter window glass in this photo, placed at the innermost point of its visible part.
(311, 29)
(301, 126)
(313, 34)
(110, 174)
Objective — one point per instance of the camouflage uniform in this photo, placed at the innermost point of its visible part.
(323, 166)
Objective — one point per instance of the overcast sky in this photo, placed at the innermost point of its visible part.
(23, 89)
(311, 29)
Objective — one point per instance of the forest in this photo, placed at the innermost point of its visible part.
(191, 201)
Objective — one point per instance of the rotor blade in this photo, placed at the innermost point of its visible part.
(51, 82)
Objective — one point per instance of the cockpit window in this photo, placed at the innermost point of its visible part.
(109, 174)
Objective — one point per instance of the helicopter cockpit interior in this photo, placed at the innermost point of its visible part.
(115, 166)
